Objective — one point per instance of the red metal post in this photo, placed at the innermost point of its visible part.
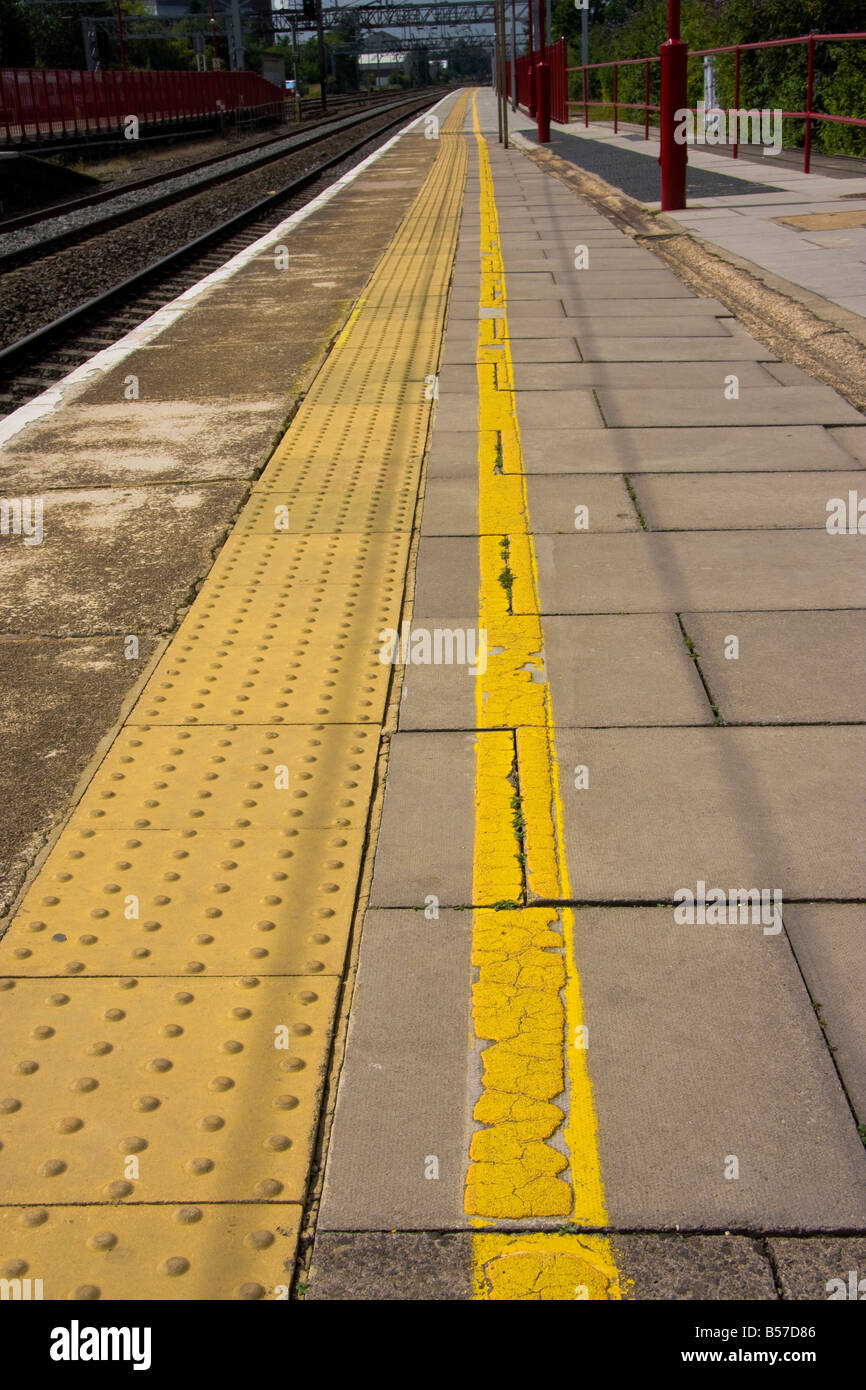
(531, 72)
(810, 85)
(16, 88)
(673, 157)
(646, 98)
(543, 71)
(736, 149)
(615, 95)
(120, 39)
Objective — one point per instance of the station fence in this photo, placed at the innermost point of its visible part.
(40, 103)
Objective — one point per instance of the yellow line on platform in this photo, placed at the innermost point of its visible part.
(526, 1002)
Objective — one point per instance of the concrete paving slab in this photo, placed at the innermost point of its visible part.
(451, 506)
(574, 410)
(807, 1268)
(676, 1268)
(829, 941)
(638, 287)
(676, 570)
(792, 668)
(624, 670)
(446, 577)
(382, 1267)
(601, 256)
(768, 808)
(852, 439)
(458, 412)
(592, 324)
(779, 405)
(440, 697)
(454, 454)
(642, 284)
(739, 347)
(639, 375)
(395, 1164)
(724, 1010)
(464, 352)
(742, 501)
(427, 833)
(577, 502)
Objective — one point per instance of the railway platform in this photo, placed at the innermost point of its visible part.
(460, 895)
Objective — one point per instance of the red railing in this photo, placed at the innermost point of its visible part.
(36, 103)
(556, 57)
(808, 114)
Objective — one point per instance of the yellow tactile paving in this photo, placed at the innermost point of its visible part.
(190, 902)
(230, 1251)
(164, 1090)
(285, 631)
(373, 509)
(174, 969)
(526, 1000)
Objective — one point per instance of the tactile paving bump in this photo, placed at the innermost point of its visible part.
(137, 1090)
(189, 855)
(189, 902)
(163, 1252)
(370, 510)
(232, 778)
(306, 568)
(340, 431)
(255, 677)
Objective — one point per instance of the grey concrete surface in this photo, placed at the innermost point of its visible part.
(639, 375)
(829, 941)
(622, 670)
(807, 1267)
(400, 1149)
(99, 568)
(703, 1048)
(775, 501)
(632, 451)
(779, 405)
(380, 1266)
(734, 807)
(428, 822)
(707, 1268)
(791, 668)
(670, 572)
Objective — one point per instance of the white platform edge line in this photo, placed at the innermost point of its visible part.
(108, 358)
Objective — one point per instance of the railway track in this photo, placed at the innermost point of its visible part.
(43, 356)
(179, 183)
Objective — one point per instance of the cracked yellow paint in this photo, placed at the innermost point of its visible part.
(530, 1267)
(530, 1160)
